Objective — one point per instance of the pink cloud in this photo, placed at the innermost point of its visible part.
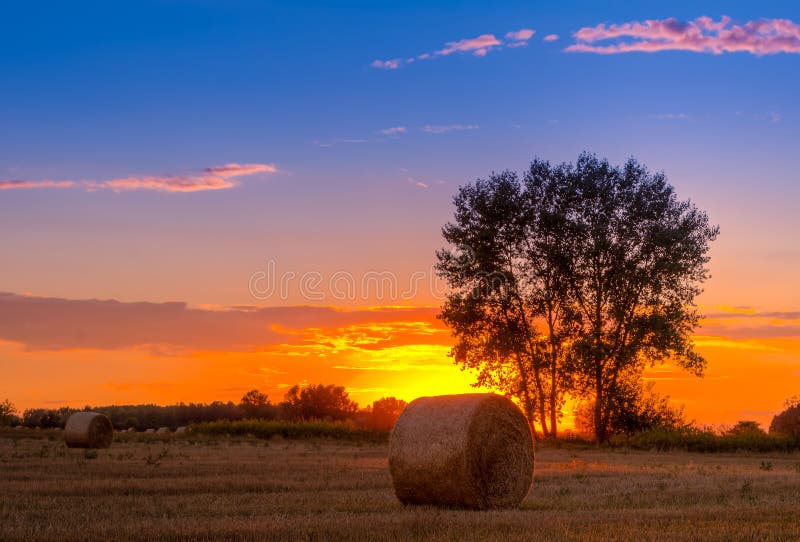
(212, 178)
(551, 37)
(521, 35)
(8, 185)
(165, 184)
(703, 35)
(477, 46)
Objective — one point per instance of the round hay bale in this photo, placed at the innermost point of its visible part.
(468, 451)
(88, 430)
(163, 430)
(150, 431)
(181, 429)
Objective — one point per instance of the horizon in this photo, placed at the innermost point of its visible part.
(200, 202)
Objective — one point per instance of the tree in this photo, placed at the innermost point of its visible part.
(255, 404)
(509, 307)
(635, 258)
(746, 428)
(319, 402)
(787, 422)
(8, 413)
(384, 413)
(572, 280)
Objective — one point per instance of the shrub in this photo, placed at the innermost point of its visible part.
(267, 429)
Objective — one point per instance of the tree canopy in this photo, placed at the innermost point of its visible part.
(570, 280)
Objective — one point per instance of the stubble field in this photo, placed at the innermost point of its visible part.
(177, 488)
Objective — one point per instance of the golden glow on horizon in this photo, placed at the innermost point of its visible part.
(749, 374)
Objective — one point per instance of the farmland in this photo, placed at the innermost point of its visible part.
(178, 487)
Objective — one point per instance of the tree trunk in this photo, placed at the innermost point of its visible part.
(600, 432)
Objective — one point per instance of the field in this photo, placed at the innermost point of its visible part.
(170, 488)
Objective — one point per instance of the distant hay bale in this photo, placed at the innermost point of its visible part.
(787, 423)
(180, 430)
(88, 430)
(150, 431)
(469, 451)
(163, 430)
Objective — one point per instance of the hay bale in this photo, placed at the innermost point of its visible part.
(88, 430)
(180, 430)
(163, 430)
(786, 423)
(469, 451)
(150, 431)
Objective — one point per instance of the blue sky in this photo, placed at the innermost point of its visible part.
(169, 151)
(98, 90)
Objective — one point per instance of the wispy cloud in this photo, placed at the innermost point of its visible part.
(442, 129)
(702, 35)
(212, 178)
(394, 130)
(478, 46)
(333, 142)
(671, 116)
(551, 37)
(772, 116)
(8, 185)
(391, 64)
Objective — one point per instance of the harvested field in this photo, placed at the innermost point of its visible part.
(177, 487)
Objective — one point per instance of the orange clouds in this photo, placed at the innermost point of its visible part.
(212, 178)
(46, 323)
(111, 351)
(703, 35)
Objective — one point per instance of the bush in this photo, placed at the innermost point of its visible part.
(693, 439)
(266, 429)
(384, 413)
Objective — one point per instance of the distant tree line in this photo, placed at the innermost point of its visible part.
(301, 403)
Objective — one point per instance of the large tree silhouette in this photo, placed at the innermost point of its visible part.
(572, 278)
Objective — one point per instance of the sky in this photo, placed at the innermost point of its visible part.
(198, 198)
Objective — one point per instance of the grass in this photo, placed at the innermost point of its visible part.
(242, 488)
(700, 440)
(266, 429)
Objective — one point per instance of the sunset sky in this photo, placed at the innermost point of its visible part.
(198, 198)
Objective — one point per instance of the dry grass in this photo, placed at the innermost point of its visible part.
(170, 488)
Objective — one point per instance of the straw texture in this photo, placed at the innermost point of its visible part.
(88, 430)
(469, 451)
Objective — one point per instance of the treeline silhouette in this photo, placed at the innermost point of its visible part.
(319, 402)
